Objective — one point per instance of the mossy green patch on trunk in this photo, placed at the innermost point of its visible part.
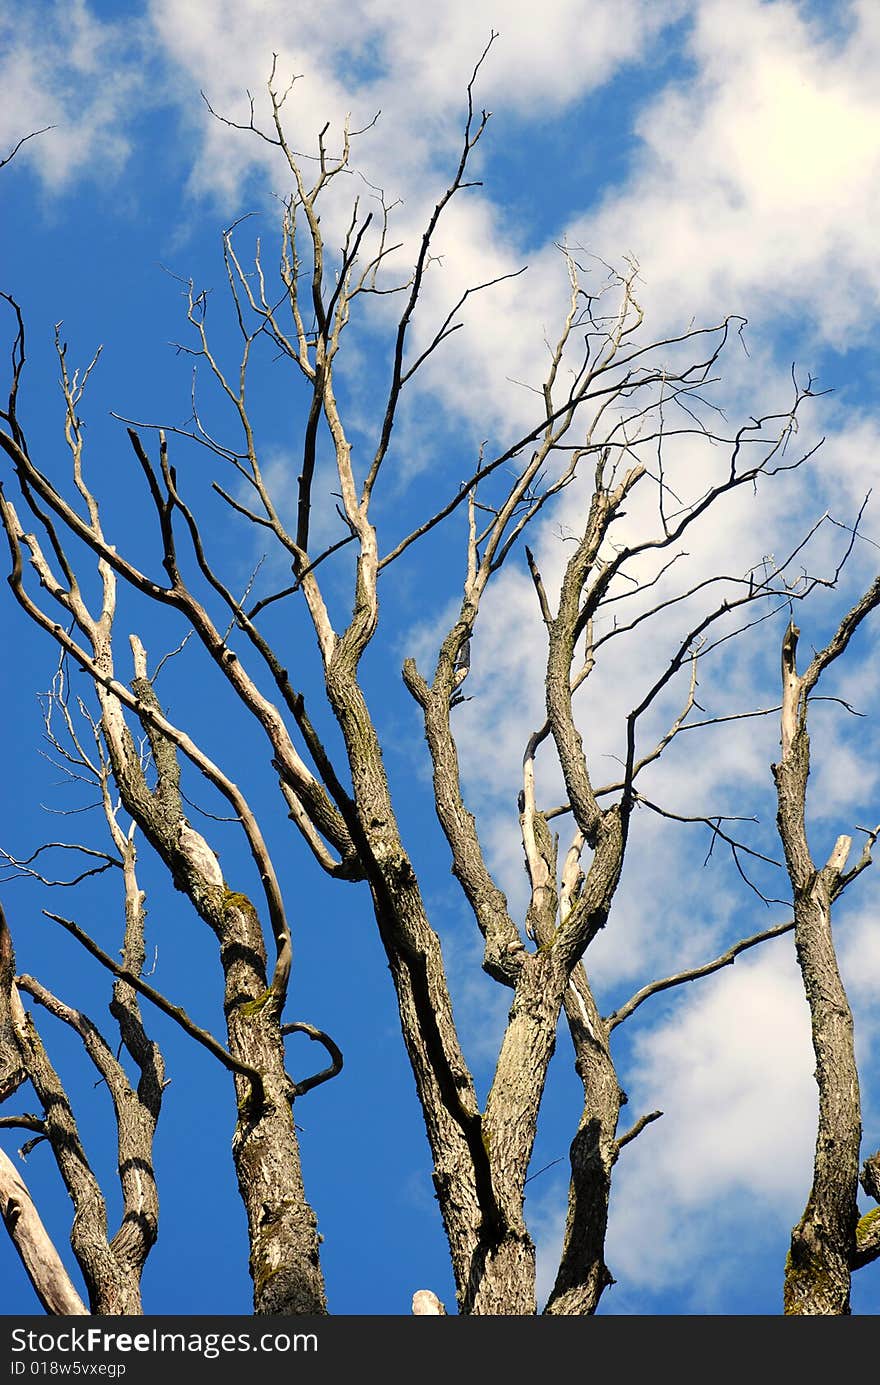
(809, 1283)
(234, 899)
(249, 1008)
(866, 1224)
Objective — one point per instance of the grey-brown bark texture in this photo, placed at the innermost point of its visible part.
(111, 1266)
(825, 1244)
(605, 404)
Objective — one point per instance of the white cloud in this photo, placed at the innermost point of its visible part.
(731, 1070)
(62, 67)
(858, 946)
(545, 1217)
(757, 185)
(754, 189)
(545, 57)
(413, 64)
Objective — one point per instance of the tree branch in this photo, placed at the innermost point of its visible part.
(694, 973)
(42, 1263)
(307, 1083)
(636, 1129)
(174, 1012)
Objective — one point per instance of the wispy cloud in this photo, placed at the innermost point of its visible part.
(730, 1066)
(753, 188)
(63, 67)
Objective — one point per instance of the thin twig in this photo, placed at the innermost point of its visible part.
(726, 959)
(635, 1130)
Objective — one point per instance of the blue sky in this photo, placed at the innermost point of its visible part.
(731, 147)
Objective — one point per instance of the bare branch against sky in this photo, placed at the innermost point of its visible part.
(426, 443)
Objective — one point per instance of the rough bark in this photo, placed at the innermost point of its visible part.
(583, 1275)
(113, 1284)
(446, 1091)
(111, 1269)
(284, 1256)
(819, 1263)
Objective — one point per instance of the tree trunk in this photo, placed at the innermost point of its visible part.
(819, 1263)
(282, 1228)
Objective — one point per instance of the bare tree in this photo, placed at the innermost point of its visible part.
(112, 1267)
(829, 1241)
(613, 404)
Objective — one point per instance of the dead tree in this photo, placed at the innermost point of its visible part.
(612, 404)
(829, 1241)
(111, 1265)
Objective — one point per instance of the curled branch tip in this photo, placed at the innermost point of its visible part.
(307, 1083)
